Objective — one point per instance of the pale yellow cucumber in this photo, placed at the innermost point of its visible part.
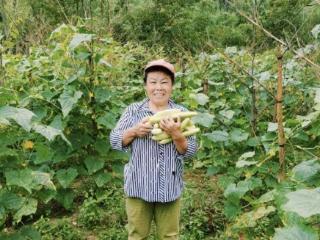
(191, 131)
(156, 131)
(160, 136)
(175, 115)
(165, 141)
(185, 123)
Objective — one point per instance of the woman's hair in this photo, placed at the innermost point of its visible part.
(158, 68)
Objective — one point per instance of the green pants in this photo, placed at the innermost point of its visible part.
(141, 213)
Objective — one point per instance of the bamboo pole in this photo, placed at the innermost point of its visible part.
(279, 98)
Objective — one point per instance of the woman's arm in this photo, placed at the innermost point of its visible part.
(139, 130)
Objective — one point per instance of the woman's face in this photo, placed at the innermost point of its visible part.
(158, 87)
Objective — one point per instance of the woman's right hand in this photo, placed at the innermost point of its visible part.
(142, 128)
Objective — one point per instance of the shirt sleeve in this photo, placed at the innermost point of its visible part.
(191, 149)
(116, 135)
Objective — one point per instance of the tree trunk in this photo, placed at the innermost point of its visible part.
(205, 85)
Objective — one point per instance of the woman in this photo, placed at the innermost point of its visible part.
(153, 176)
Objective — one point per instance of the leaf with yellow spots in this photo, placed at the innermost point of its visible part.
(27, 145)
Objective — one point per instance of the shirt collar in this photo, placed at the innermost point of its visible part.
(145, 104)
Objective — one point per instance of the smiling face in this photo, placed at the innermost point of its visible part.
(158, 87)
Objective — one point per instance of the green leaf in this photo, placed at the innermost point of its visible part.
(101, 178)
(44, 154)
(218, 136)
(246, 155)
(200, 98)
(238, 135)
(93, 164)
(44, 179)
(234, 191)
(65, 197)
(295, 233)
(49, 132)
(21, 116)
(29, 233)
(227, 114)
(306, 170)
(45, 195)
(68, 99)
(108, 120)
(272, 127)
(244, 163)
(203, 119)
(66, 176)
(249, 219)
(253, 142)
(231, 209)
(10, 200)
(102, 95)
(22, 178)
(305, 202)
(29, 207)
(79, 38)
(213, 170)
(267, 197)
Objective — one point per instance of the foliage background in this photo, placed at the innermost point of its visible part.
(69, 68)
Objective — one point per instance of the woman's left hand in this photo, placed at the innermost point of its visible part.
(171, 127)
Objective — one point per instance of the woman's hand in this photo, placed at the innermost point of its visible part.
(171, 127)
(142, 128)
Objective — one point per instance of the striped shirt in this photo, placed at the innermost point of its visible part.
(154, 171)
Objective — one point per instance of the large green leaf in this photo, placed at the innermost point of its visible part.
(49, 132)
(29, 233)
(68, 99)
(227, 114)
(44, 154)
(93, 164)
(108, 120)
(21, 116)
(101, 178)
(22, 178)
(234, 191)
(44, 179)
(65, 197)
(295, 233)
(203, 119)
(218, 136)
(10, 201)
(102, 95)
(200, 98)
(66, 176)
(306, 170)
(305, 202)
(29, 207)
(238, 135)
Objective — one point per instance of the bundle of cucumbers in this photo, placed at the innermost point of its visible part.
(187, 126)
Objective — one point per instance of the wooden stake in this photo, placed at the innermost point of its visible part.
(279, 97)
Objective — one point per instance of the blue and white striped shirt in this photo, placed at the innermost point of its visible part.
(154, 171)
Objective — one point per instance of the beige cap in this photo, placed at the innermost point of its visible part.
(160, 63)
